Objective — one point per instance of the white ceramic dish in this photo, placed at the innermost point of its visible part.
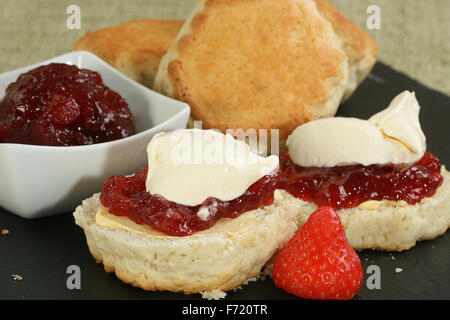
(37, 181)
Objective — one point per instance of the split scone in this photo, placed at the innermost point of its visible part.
(270, 64)
(189, 226)
(134, 48)
(388, 192)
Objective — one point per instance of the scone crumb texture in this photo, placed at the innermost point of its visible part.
(213, 295)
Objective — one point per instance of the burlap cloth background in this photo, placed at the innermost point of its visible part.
(414, 38)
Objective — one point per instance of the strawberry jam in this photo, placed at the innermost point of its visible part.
(61, 105)
(127, 196)
(349, 186)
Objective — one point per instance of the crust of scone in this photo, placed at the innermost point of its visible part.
(239, 65)
(391, 226)
(361, 49)
(270, 72)
(220, 258)
(134, 48)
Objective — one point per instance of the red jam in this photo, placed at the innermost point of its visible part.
(349, 186)
(127, 196)
(61, 105)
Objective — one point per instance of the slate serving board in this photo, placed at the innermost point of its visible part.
(41, 250)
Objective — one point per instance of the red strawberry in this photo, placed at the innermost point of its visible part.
(318, 262)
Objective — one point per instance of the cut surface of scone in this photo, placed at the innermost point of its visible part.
(389, 225)
(218, 259)
(273, 64)
(134, 48)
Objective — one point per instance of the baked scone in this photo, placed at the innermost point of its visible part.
(190, 226)
(361, 49)
(134, 48)
(239, 65)
(388, 225)
(388, 191)
(220, 258)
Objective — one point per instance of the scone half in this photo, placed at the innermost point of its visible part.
(388, 225)
(220, 258)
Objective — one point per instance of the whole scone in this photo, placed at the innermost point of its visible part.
(135, 48)
(272, 64)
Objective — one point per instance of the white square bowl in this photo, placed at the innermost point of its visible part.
(38, 181)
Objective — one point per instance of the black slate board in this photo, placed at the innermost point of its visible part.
(41, 250)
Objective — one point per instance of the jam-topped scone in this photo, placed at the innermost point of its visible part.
(389, 192)
(204, 216)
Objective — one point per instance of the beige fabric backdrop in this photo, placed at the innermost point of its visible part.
(414, 38)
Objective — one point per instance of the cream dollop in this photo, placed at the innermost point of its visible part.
(393, 135)
(189, 166)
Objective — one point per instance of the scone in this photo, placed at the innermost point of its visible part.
(388, 191)
(189, 227)
(389, 225)
(220, 258)
(134, 48)
(361, 49)
(264, 65)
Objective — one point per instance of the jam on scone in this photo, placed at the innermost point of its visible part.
(343, 162)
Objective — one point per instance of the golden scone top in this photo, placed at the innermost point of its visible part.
(254, 69)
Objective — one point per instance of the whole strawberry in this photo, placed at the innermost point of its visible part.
(318, 262)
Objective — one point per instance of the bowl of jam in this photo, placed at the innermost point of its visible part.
(69, 123)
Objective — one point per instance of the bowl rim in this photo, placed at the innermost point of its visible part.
(185, 107)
